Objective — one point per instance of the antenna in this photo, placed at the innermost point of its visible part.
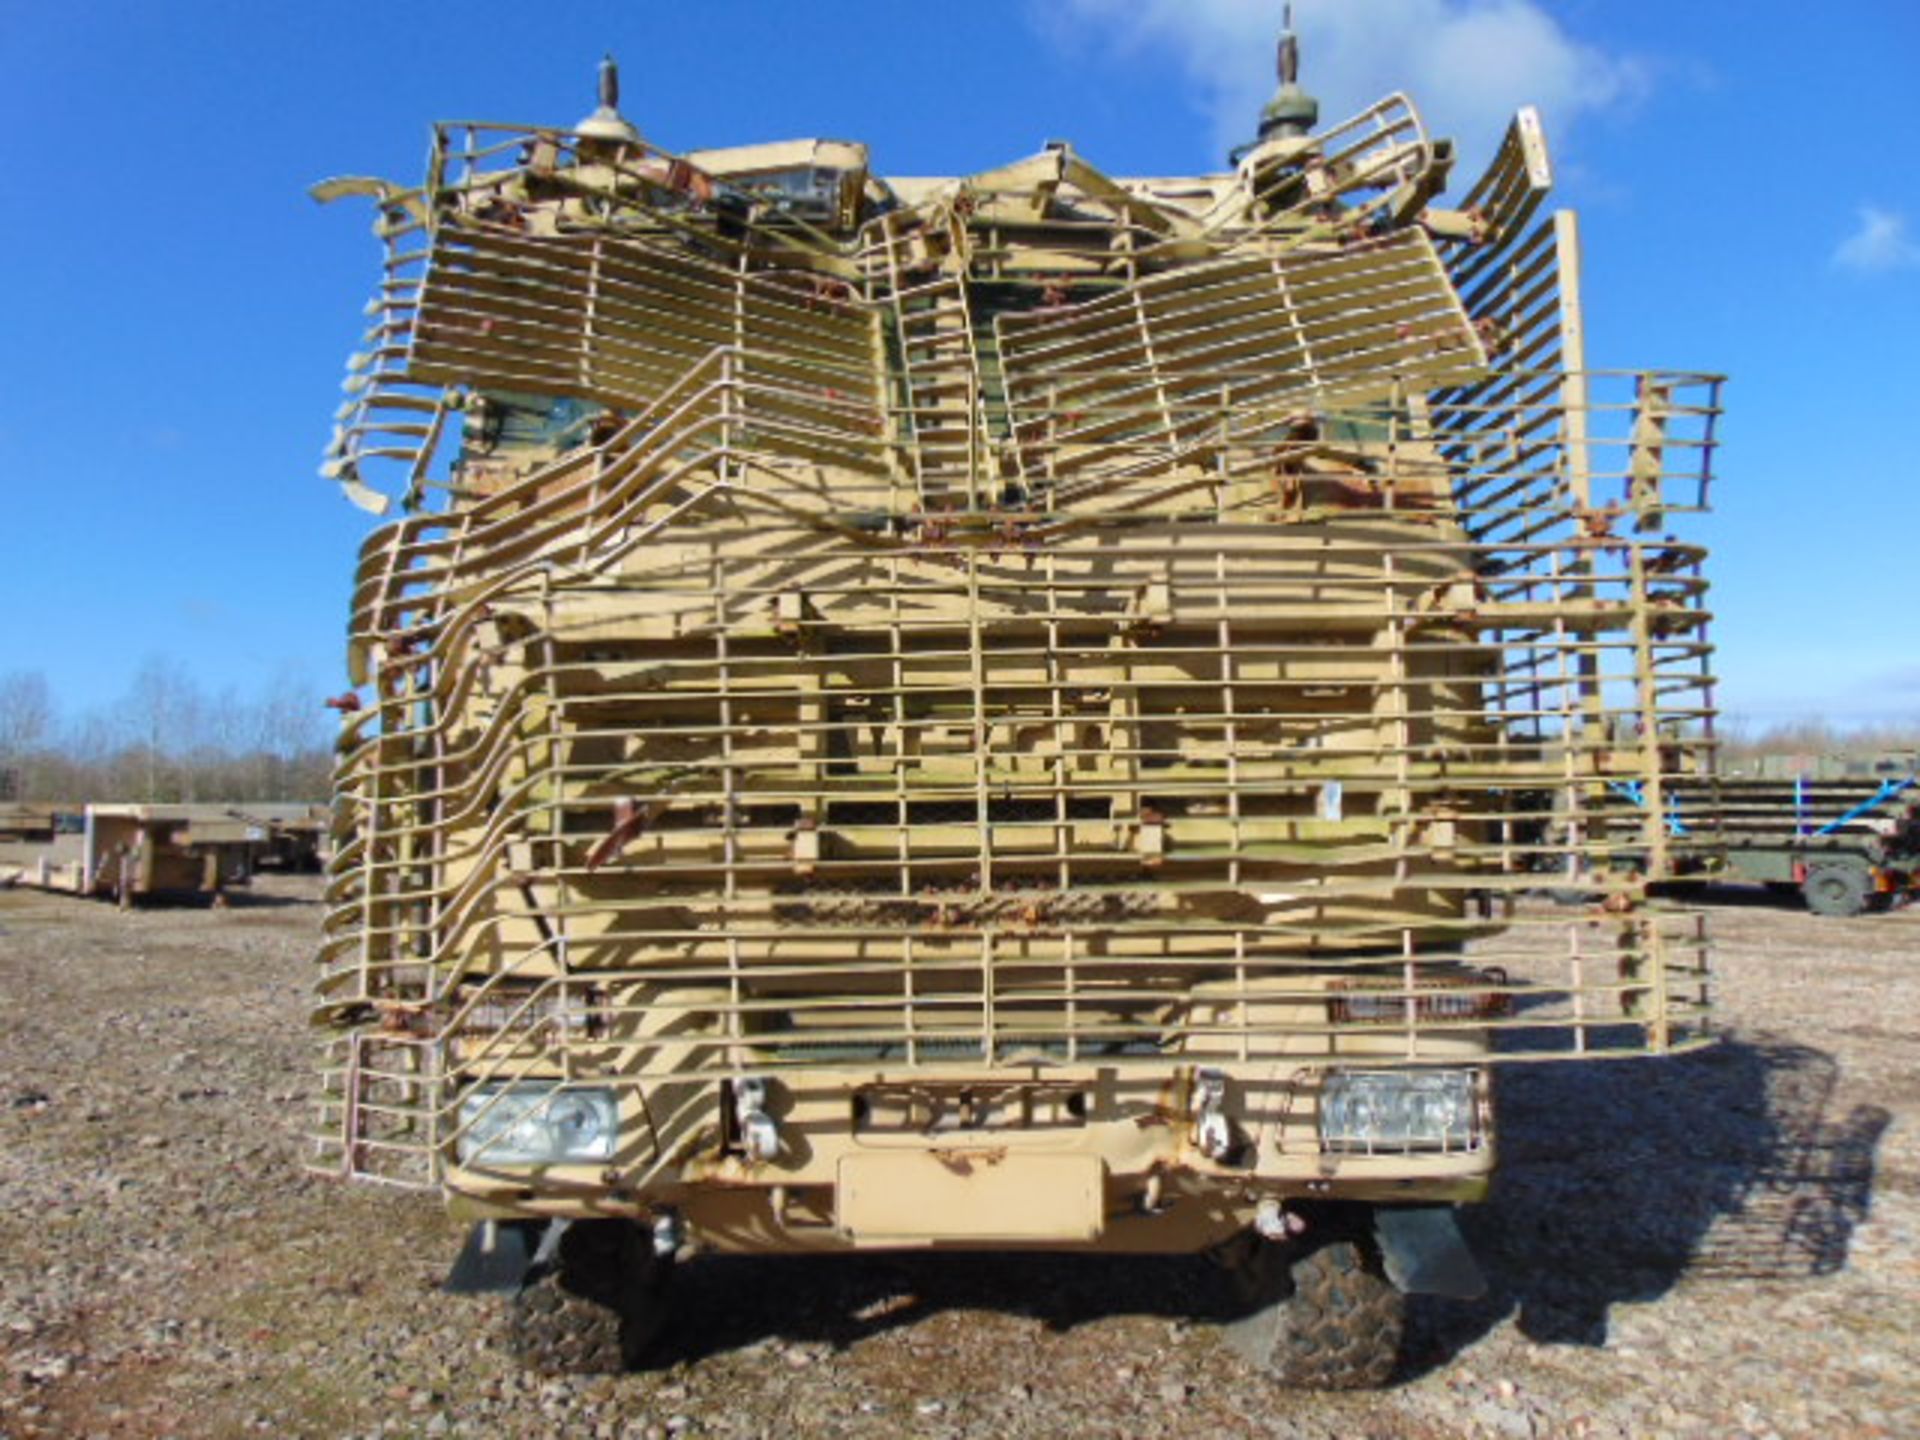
(1292, 113)
(607, 123)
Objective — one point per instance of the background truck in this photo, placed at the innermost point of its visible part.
(990, 712)
(131, 852)
(1843, 832)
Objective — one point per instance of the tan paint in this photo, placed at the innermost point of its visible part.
(1002, 665)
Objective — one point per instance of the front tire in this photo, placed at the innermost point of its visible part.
(1328, 1319)
(595, 1307)
(1838, 888)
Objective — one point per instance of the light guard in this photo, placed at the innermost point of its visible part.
(1396, 1111)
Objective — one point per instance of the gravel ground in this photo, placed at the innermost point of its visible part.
(1725, 1244)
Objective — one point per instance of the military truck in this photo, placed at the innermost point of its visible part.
(1840, 832)
(991, 711)
(291, 836)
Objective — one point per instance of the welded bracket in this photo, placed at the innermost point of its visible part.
(1212, 1131)
(759, 1136)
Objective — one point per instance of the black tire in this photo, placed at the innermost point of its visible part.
(1837, 888)
(1329, 1319)
(596, 1307)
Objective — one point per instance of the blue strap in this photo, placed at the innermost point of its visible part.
(1636, 793)
(1886, 792)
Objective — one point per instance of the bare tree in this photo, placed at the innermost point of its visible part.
(26, 715)
(26, 712)
(163, 712)
(288, 729)
(166, 740)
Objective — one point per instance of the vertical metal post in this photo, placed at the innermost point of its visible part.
(1576, 457)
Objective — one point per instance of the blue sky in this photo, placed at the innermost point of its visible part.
(179, 310)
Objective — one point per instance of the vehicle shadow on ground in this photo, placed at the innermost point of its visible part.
(728, 1304)
(1616, 1180)
(1731, 896)
(186, 902)
(267, 900)
(1727, 1165)
(1738, 897)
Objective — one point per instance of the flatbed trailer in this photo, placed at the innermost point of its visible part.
(22, 822)
(1842, 834)
(130, 852)
(1846, 844)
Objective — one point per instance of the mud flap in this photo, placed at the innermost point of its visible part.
(1424, 1254)
(495, 1259)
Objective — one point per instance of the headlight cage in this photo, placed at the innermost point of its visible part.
(1403, 1112)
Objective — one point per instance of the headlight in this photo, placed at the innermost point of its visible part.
(1371, 1110)
(537, 1123)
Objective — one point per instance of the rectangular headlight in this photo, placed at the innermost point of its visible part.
(537, 1122)
(1398, 1110)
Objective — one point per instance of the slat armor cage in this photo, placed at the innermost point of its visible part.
(1029, 624)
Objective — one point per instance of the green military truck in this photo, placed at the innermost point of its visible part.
(1842, 832)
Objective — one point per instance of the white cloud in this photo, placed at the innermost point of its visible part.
(1467, 64)
(1879, 242)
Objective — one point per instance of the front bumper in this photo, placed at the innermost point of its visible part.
(1094, 1160)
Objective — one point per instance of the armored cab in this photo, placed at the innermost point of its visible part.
(1004, 711)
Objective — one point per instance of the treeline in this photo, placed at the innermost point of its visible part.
(1741, 741)
(165, 741)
